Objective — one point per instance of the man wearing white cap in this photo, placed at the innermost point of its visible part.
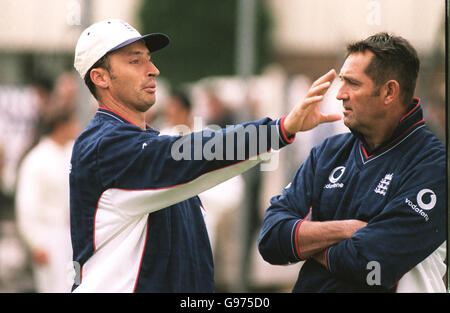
(136, 220)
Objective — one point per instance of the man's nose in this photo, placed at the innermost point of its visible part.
(152, 69)
(342, 94)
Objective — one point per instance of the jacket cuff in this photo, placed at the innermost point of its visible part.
(287, 238)
(284, 137)
(295, 240)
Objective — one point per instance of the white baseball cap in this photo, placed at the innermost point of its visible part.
(107, 36)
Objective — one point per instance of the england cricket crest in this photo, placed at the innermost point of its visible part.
(383, 186)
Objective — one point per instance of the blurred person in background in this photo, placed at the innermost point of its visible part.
(42, 201)
(65, 93)
(218, 203)
(218, 112)
(435, 114)
(22, 108)
(43, 89)
(6, 200)
(177, 114)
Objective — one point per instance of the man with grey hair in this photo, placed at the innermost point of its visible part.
(367, 210)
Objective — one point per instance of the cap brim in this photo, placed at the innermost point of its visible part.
(154, 42)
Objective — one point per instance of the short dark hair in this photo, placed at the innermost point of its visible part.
(394, 58)
(103, 62)
(55, 117)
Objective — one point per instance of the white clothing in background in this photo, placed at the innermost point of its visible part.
(43, 212)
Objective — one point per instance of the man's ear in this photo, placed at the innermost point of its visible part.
(391, 91)
(100, 77)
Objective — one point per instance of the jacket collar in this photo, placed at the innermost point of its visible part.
(412, 120)
(118, 117)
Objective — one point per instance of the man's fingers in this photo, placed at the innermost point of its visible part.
(315, 94)
(328, 118)
(306, 115)
(311, 100)
(328, 77)
(318, 90)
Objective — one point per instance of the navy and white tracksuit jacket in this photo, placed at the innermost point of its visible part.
(398, 189)
(136, 222)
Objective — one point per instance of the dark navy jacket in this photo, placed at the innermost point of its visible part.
(136, 222)
(398, 189)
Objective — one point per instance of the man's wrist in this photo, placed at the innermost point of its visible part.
(287, 135)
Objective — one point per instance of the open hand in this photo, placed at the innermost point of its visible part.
(307, 115)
